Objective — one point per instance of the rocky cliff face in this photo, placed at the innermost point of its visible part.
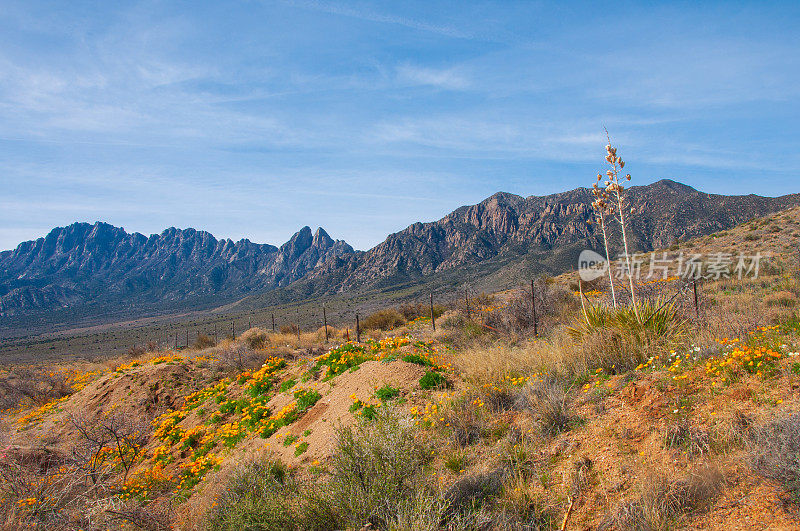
(506, 224)
(101, 264)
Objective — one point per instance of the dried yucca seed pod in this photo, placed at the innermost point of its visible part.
(621, 163)
(599, 177)
(609, 173)
(628, 176)
(608, 148)
(608, 158)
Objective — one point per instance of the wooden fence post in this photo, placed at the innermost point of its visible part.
(358, 330)
(273, 322)
(533, 306)
(433, 317)
(466, 301)
(696, 305)
(325, 322)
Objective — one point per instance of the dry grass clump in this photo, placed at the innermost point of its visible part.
(693, 440)
(413, 311)
(255, 338)
(775, 452)
(375, 467)
(661, 501)
(558, 356)
(548, 401)
(786, 299)
(388, 319)
(258, 496)
(468, 492)
(203, 341)
(237, 357)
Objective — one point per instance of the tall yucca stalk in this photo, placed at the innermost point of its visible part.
(613, 187)
(602, 206)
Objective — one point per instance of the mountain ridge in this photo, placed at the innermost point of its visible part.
(103, 266)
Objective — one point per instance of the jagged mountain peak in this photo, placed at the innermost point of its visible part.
(298, 243)
(502, 198)
(321, 239)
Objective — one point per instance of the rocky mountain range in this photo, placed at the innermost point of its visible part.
(102, 264)
(100, 267)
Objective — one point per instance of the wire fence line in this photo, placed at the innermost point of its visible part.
(533, 297)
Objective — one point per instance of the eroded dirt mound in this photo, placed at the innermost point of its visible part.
(317, 426)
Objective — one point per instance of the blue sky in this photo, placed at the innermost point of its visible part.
(252, 119)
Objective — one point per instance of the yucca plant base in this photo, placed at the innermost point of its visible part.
(625, 336)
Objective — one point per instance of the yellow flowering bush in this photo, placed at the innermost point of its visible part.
(147, 482)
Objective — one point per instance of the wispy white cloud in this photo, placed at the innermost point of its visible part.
(367, 13)
(444, 78)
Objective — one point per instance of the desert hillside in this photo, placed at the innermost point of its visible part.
(687, 418)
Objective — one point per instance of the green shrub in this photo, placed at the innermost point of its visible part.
(419, 360)
(387, 392)
(375, 468)
(306, 398)
(456, 462)
(257, 497)
(433, 380)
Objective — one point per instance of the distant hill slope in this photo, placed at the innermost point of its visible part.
(100, 270)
